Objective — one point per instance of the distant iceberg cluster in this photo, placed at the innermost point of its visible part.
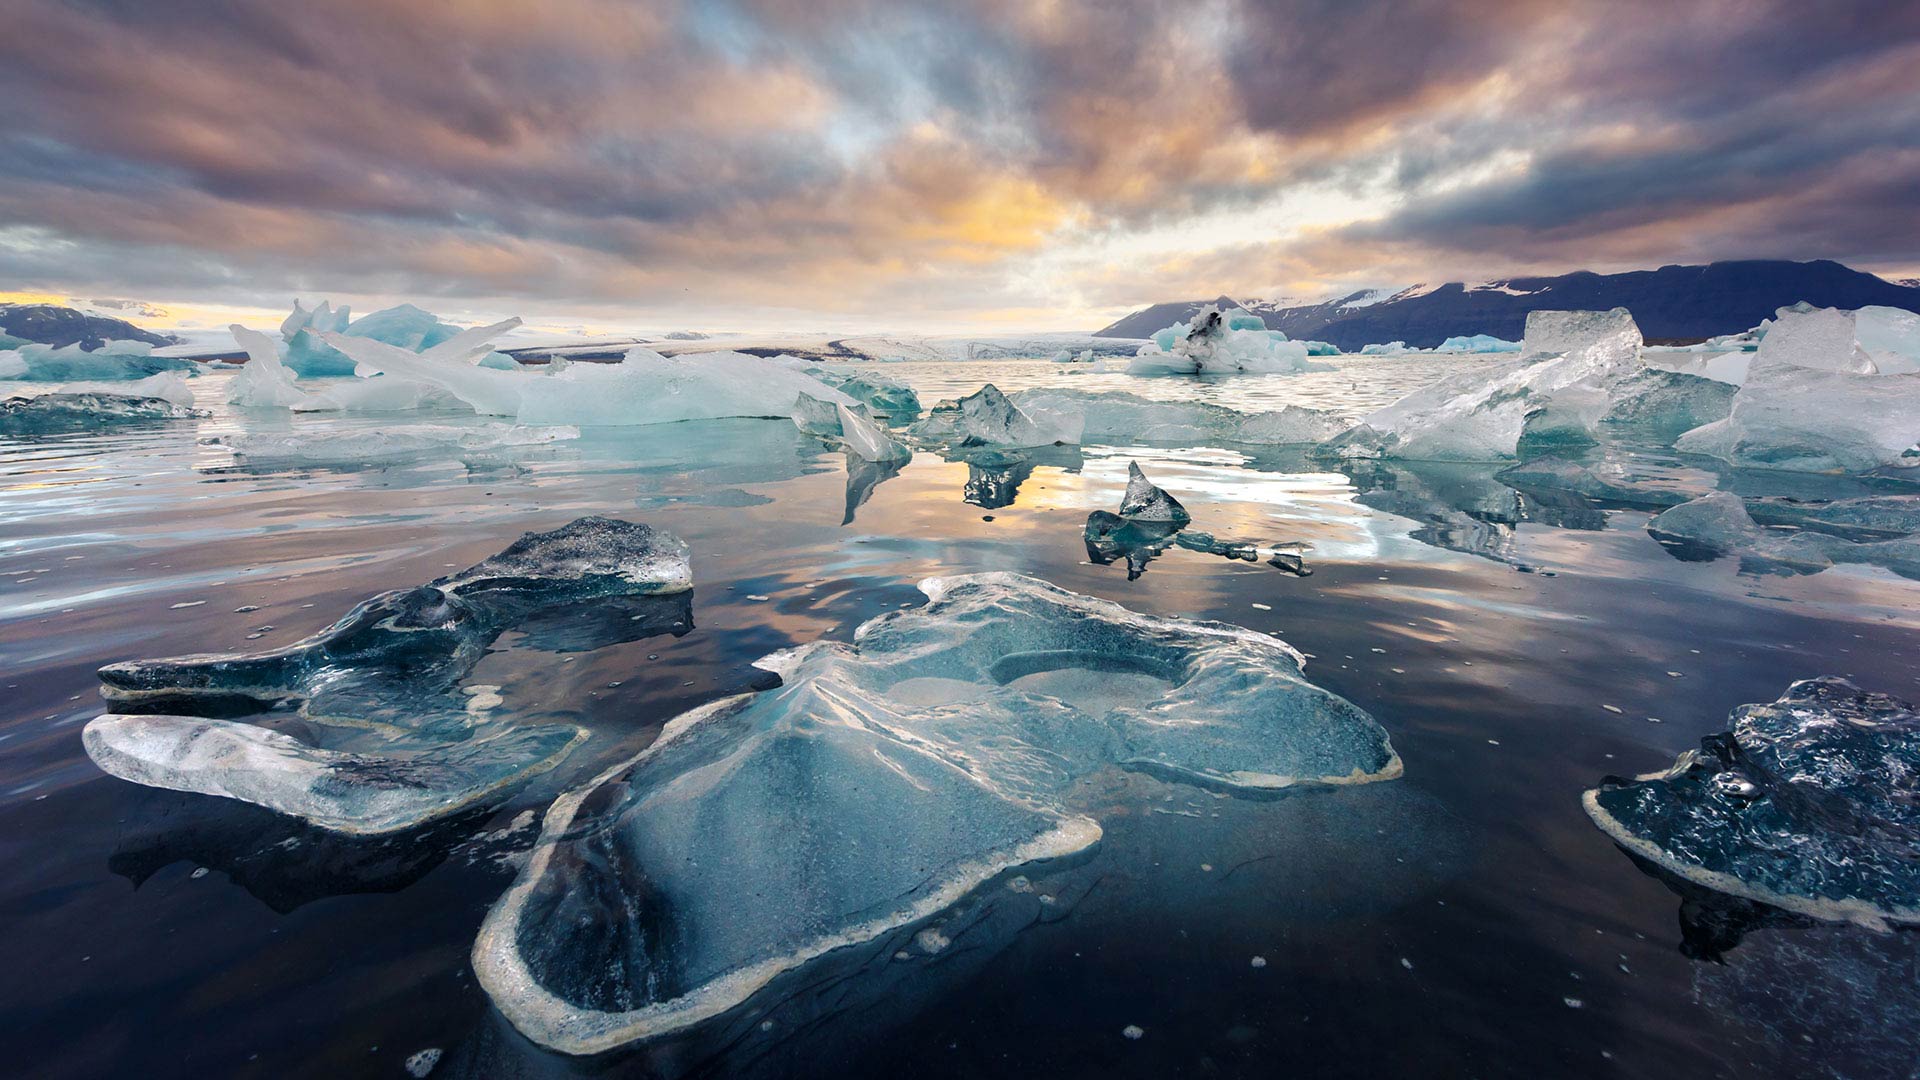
(1217, 342)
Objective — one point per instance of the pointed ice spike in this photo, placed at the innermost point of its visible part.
(1145, 502)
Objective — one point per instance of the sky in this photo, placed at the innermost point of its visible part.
(952, 165)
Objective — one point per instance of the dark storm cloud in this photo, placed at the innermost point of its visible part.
(848, 153)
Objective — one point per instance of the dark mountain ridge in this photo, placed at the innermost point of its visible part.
(1673, 302)
(51, 324)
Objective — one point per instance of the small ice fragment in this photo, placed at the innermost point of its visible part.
(186, 604)
(1133, 1031)
(1574, 1002)
(1613, 708)
(1258, 961)
(931, 940)
(1263, 607)
(422, 1063)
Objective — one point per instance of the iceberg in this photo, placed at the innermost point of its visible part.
(1827, 391)
(1216, 342)
(1388, 348)
(265, 382)
(1577, 369)
(987, 417)
(310, 356)
(944, 747)
(644, 388)
(377, 690)
(1479, 343)
(113, 361)
(1811, 804)
(1118, 415)
(395, 443)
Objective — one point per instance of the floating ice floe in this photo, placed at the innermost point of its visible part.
(644, 388)
(1116, 414)
(1810, 804)
(1387, 348)
(400, 442)
(1216, 342)
(1150, 521)
(851, 425)
(1826, 391)
(987, 417)
(113, 361)
(77, 406)
(1577, 369)
(943, 747)
(1720, 524)
(394, 745)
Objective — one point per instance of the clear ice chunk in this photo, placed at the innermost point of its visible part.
(1810, 804)
(1572, 367)
(356, 794)
(943, 747)
(988, 417)
(1827, 391)
(1145, 502)
(379, 685)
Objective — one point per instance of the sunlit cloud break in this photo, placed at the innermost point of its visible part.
(1046, 165)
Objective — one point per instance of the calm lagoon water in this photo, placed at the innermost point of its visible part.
(1465, 920)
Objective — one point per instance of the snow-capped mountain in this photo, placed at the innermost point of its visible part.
(1671, 303)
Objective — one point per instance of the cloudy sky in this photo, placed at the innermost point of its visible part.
(1016, 163)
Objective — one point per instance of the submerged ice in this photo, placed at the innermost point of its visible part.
(378, 689)
(1810, 804)
(1118, 415)
(941, 748)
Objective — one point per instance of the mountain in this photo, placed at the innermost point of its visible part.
(1673, 302)
(50, 324)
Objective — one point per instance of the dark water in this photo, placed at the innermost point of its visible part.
(1465, 920)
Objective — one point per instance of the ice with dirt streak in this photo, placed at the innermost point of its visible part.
(1216, 342)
